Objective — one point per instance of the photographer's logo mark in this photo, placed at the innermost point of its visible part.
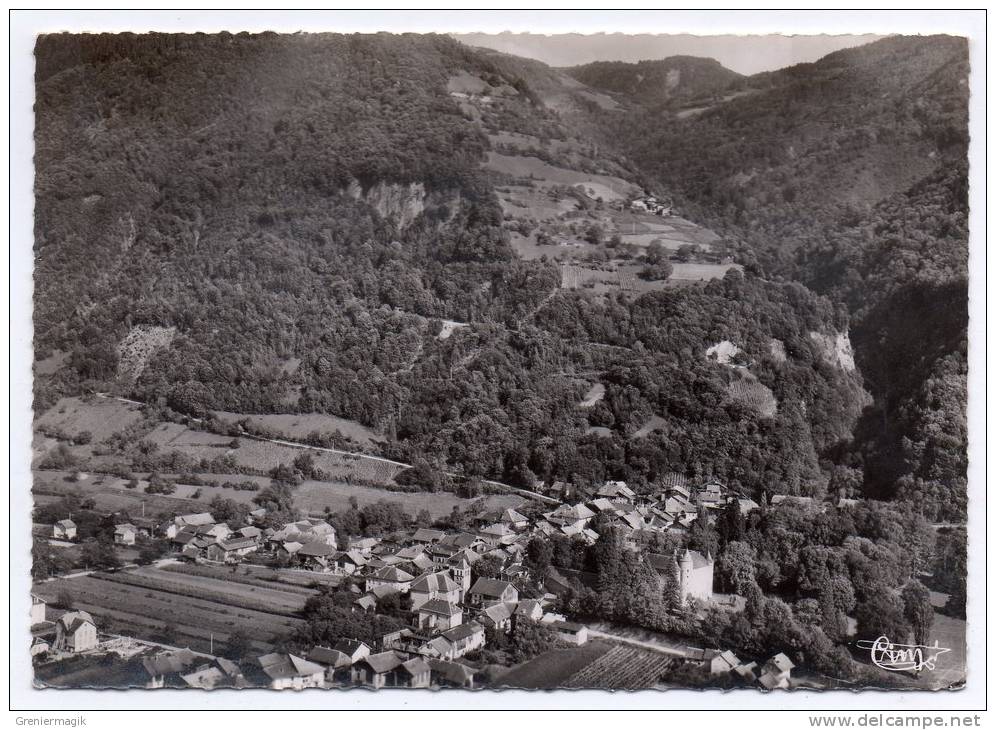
(902, 657)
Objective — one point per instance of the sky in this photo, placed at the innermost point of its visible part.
(745, 54)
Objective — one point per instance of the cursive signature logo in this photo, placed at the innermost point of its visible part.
(902, 657)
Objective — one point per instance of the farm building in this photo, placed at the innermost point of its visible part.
(64, 530)
(125, 534)
(571, 632)
(231, 550)
(317, 556)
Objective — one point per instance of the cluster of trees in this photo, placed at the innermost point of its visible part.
(329, 616)
(377, 518)
(806, 575)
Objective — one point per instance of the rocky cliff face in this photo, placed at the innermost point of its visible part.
(402, 203)
(835, 348)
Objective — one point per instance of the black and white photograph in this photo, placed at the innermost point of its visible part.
(499, 360)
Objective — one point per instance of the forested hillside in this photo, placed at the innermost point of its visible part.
(672, 81)
(268, 224)
(849, 175)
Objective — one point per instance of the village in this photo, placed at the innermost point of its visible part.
(455, 590)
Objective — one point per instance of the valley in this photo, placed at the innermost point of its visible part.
(658, 347)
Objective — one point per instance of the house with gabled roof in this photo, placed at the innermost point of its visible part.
(432, 586)
(570, 632)
(188, 521)
(427, 536)
(709, 495)
(64, 530)
(231, 550)
(721, 662)
(486, 591)
(421, 564)
(411, 552)
(336, 663)
(391, 578)
(497, 616)
(514, 519)
(498, 534)
(164, 669)
(616, 491)
(462, 541)
(776, 672)
(376, 670)
(438, 615)
(464, 638)
(364, 545)
(353, 648)
(366, 602)
(349, 562)
(530, 609)
(438, 647)
(577, 516)
(413, 674)
(289, 671)
(317, 556)
(75, 631)
(125, 534)
(214, 674)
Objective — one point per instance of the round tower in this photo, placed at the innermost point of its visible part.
(685, 567)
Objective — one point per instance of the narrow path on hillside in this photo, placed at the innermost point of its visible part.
(653, 641)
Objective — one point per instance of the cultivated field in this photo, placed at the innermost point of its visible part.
(110, 494)
(146, 602)
(596, 186)
(290, 580)
(754, 394)
(552, 669)
(701, 272)
(623, 667)
(312, 497)
(297, 426)
(100, 416)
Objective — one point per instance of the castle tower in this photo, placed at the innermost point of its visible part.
(685, 567)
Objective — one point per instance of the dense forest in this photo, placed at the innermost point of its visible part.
(849, 176)
(677, 80)
(300, 213)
